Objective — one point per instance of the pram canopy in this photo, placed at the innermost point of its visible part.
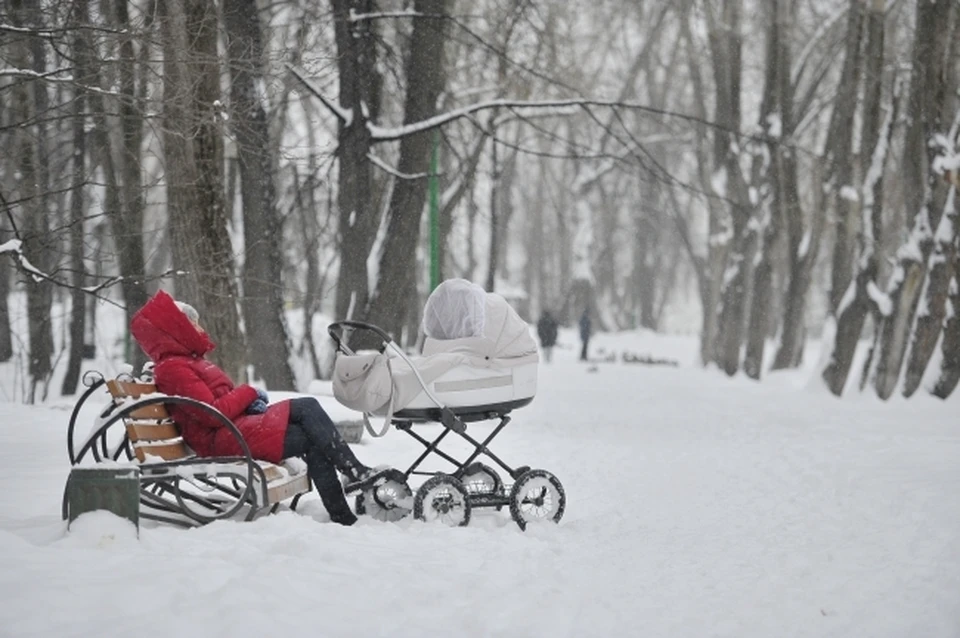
(477, 351)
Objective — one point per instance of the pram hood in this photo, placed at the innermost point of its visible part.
(461, 318)
(464, 326)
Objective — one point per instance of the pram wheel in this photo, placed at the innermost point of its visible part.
(442, 498)
(537, 496)
(478, 478)
(388, 502)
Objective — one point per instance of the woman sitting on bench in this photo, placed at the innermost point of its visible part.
(170, 334)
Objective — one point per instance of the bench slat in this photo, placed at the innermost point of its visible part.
(139, 431)
(167, 451)
(122, 389)
(157, 411)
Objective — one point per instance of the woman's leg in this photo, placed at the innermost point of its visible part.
(321, 472)
(322, 434)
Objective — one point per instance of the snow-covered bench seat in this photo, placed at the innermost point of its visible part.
(176, 485)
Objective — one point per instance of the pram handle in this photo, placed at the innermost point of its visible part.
(335, 330)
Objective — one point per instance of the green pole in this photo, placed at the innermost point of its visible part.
(434, 213)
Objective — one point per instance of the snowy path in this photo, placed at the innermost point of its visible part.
(697, 506)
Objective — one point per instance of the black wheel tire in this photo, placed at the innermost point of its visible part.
(388, 503)
(537, 496)
(442, 498)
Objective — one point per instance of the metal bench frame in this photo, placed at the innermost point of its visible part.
(189, 491)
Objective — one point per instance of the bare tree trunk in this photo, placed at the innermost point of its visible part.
(494, 248)
(31, 103)
(709, 270)
(263, 299)
(453, 194)
(642, 279)
(194, 176)
(127, 217)
(392, 299)
(725, 44)
(78, 308)
(777, 102)
(839, 173)
(930, 321)
(306, 206)
(6, 340)
(803, 245)
(360, 85)
(862, 295)
(950, 345)
(925, 190)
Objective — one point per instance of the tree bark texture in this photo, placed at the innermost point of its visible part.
(803, 241)
(839, 159)
(263, 298)
(6, 270)
(81, 52)
(424, 70)
(127, 216)
(726, 44)
(875, 137)
(709, 270)
(925, 191)
(194, 175)
(777, 100)
(928, 325)
(31, 103)
(360, 85)
(950, 345)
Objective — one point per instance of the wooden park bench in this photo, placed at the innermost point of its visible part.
(176, 485)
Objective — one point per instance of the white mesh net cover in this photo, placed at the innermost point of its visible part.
(455, 310)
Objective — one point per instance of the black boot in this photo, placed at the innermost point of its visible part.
(331, 493)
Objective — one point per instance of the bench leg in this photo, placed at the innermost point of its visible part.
(295, 501)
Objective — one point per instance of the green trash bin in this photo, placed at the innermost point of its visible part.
(116, 490)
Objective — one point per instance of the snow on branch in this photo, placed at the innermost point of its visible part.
(48, 76)
(15, 246)
(380, 15)
(538, 108)
(379, 163)
(344, 115)
(559, 108)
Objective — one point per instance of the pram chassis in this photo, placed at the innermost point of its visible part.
(451, 497)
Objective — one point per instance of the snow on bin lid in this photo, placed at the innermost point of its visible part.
(455, 310)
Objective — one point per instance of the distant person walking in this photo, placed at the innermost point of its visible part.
(547, 331)
(585, 332)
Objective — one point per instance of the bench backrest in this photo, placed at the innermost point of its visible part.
(150, 429)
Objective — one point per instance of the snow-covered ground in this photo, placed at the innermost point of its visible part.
(697, 506)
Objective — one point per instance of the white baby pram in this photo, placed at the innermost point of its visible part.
(479, 363)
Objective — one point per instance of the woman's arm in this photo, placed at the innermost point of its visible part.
(178, 378)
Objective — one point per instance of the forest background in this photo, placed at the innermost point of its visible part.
(782, 168)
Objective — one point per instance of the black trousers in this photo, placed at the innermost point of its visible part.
(312, 436)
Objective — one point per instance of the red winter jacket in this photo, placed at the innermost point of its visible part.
(177, 349)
